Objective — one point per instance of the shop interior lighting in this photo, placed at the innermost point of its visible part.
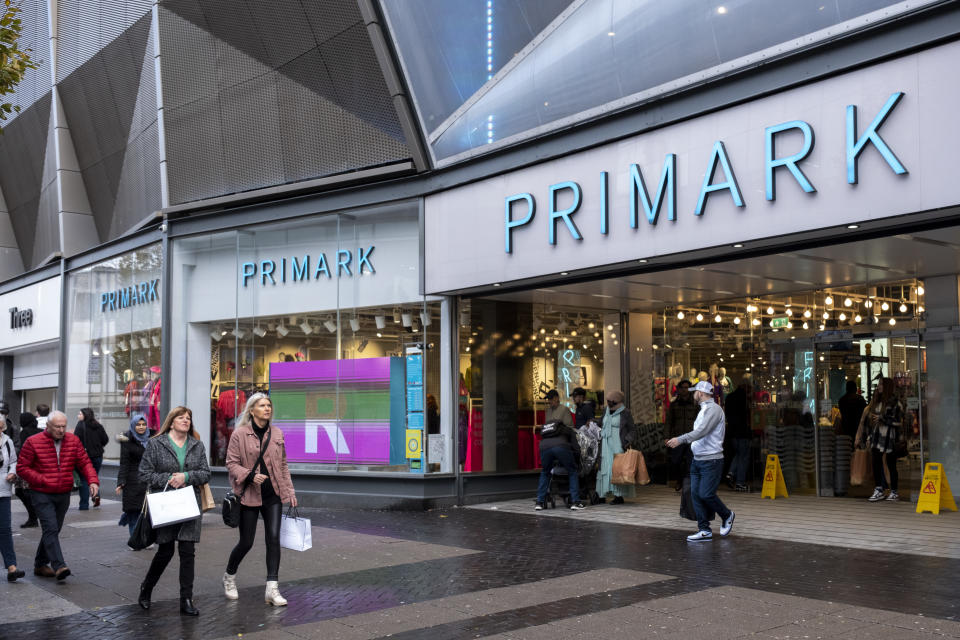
(769, 311)
(893, 321)
(920, 309)
(826, 315)
(919, 289)
(828, 300)
(425, 319)
(807, 314)
(239, 332)
(362, 345)
(354, 325)
(382, 320)
(155, 340)
(756, 322)
(717, 318)
(699, 317)
(788, 311)
(379, 335)
(903, 307)
(857, 318)
(885, 306)
(259, 331)
(822, 326)
(751, 308)
(396, 316)
(282, 331)
(868, 304)
(842, 317)
(406, 319)
(847, 302)
(329, 323)
(122, 345)
(96, 351)
(144, 342)
(736, 320)
(679, 315)
(806, 326)
(307, 329)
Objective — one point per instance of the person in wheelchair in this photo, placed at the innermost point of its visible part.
(558, 443)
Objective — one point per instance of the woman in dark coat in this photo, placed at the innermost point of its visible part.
(94, 438)
(175, 456)
(132, 445)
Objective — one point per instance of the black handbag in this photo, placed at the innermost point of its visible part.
(143, 534)
(230, 510)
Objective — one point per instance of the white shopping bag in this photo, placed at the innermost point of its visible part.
(172, 507)
(295, 532)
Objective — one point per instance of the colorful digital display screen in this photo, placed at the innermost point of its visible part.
(305, 402)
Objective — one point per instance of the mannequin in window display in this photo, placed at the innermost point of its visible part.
(725, 381)
(131, 393)
(694, 377)
(717, 382)
(153, 400)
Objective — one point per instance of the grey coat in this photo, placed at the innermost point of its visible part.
(159, 462)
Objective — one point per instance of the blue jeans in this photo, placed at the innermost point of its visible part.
(85, 488)
(569, 462)
(741, 459)
(6, 533)
(704, 480)
(51, 509)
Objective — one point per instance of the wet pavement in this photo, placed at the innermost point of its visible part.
(472, 573)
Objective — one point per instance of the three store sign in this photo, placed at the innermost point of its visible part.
(666, 192)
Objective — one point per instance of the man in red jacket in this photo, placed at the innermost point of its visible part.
(46, 462)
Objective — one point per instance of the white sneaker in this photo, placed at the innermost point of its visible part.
(700, 536)
(230, 586)
(893, 497)
(538, 507)
(877, 495)
(727, 524)
(272, 595)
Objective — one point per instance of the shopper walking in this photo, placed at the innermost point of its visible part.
(881, 429)
(851, 406)
(94, 438)
(47, 461)
(8, 475)
(28, 427)
(175, 456)
(706, 442)
(129, 483)
(12, 430)
(737, 409)
(616, 436)
(257, 464)
(680, 417)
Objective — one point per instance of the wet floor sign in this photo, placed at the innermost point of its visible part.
(773, 484)
(935, 491)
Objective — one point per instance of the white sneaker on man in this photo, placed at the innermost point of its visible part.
(877, 495)
(700, 536)
(893, 496)
(727, 524)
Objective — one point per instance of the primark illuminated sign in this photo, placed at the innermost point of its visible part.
(301, 268)
(665, 196)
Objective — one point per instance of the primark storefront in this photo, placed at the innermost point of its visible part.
(782, 207)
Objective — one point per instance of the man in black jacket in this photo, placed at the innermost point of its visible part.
(737, 407)
(851, 407)
(680, 417)
(559, 443)
(584, 410)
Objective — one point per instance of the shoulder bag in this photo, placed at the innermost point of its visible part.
(230, 511)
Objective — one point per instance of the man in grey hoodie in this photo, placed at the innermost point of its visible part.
(706, 442)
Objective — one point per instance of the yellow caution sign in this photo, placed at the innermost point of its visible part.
(935, 491)
(414, 443)
(773, 484)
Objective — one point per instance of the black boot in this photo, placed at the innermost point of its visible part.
(144, 598)
(30, 524)
(187, 608)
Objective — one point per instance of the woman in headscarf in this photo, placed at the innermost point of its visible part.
(129, 484)
(616, 437)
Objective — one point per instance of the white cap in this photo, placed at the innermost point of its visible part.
(704, 386)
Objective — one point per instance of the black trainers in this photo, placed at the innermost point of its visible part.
(576, 506)
(538, 507)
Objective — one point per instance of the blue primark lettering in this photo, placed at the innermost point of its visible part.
(113, 300)
(124, 297)
(139, 293)
(667, 186)
(301, 271)
(604, 195)
(363, 258)
(247, 271)
(855, 146)
(790, 162)
(321, 266)
(566, 213)
(343, 262)
(509, 223)
(266, 271)
(719, 154)
(283, 270)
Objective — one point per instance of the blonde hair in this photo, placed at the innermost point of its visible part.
(246, 417)
(175, 413)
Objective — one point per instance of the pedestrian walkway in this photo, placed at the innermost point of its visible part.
(840, 522)
(461, 574)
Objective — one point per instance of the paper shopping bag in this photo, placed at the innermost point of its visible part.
(641, 477)
(172, 507)
(859, 467)
(206, 495)
(625, 467)
(295, 532)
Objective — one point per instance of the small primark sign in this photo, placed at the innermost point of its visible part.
(300, 268)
